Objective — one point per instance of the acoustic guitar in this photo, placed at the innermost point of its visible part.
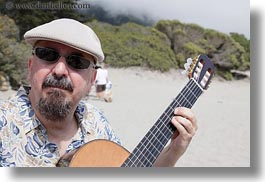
(104, 153)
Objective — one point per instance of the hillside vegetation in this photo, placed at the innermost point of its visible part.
(135, 45)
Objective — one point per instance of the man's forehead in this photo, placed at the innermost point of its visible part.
(54, 45)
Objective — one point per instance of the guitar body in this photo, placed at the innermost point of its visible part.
(100, 153)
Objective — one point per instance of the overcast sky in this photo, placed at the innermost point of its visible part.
(222, 15)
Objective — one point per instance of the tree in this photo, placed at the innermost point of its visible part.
(13, 54)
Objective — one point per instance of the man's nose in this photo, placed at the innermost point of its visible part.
(61, 69)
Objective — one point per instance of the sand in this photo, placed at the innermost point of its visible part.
(223, 112)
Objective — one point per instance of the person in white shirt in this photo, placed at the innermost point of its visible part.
(101, 81)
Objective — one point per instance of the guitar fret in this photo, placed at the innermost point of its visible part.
(142, 156)
(156, 139)
(146, 159)
(186, 100)
(138, 157)
(166, 115)
(160, 132)
(149, 148)
(146, 156)
(154, 147)
(192, 93)
(167, 130)
(131, 162)
(151, 138)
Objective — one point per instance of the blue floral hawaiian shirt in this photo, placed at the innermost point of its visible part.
(23, 139)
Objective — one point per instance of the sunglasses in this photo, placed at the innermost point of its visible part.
(51, 56)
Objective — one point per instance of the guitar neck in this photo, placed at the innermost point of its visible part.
(147, 151)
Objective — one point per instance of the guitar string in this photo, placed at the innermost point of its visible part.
(155, 137)
(182, 102)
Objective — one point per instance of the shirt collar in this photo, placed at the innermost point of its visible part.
(26, 111)
(80, 112)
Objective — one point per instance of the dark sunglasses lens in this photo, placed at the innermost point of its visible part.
(78, 62)
(47, 54)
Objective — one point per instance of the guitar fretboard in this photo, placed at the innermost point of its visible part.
(147, 151)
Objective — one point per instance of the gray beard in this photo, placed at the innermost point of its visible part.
(54, 107)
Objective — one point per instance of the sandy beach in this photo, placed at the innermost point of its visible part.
(223, 112)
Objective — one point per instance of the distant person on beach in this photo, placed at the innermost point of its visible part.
(45, 123)
(101, 82)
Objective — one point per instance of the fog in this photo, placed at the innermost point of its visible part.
(225, 16)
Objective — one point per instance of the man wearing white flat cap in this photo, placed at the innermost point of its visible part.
(46, 122)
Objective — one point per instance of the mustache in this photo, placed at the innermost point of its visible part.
(62, 82)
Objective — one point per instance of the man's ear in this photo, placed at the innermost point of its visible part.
(29, 67)
(95, 75)
(92, 80)
(92, 77)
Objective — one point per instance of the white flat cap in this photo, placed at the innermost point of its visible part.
(68, 32)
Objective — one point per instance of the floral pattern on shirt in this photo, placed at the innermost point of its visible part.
(24, 141)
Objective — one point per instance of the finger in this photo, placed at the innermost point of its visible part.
(180, 128)
(186, 124)
(188, 114)
(184, 112)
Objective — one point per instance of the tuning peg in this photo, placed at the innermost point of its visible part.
(189, 60)
(187, 66)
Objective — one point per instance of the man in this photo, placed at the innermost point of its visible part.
(45, 123)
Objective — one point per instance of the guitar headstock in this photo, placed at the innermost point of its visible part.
(201, 69)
